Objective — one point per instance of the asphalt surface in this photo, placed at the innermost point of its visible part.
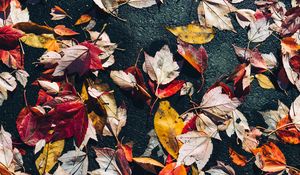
(145, 28)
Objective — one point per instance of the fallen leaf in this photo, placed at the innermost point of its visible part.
(193, 33)
(12, 58)
(215, 13)
(107, 162)
(85, 18)
(143, 3)
(162, 68)
(217, 103)
(264, 81)
(21, 76)
(259, 29)
(198, 58)
(45, 41)
(173, 169)
(269, 158)
(221, 168)
(62, 30)
(148, 164)
(58, 13)
(287, 131)
(295, 112)
(237, 158)
(9, 37)
(170, 89)
(168, 125)
(49, 157)
(125, 80)
(74, 162)
(197, 148)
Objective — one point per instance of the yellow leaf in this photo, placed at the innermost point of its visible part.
(193, 33)
(45, 41)
(168, 125)
(49, 157)
(264, 81)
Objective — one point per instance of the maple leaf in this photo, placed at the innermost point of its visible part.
(215, 13)
(107, 162)
(9, 37)
(74, 162)
(217, 103)
(196, 148)
(161, 68)
(254, 57)
(259, 29)
(79, 58)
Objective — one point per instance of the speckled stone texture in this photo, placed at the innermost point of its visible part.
(145, 28)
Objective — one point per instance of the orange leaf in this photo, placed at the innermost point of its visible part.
(269, 158)
(171, 169)
(287, 131)
(127, 148)
(64, 31)
(237, 158)
(83, 19)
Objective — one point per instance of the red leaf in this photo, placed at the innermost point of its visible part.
(295, 63)
(69, 116)
(12, 58)
(4, 4)
(9, 37)
(170, 89)
(32, 128)
(282, 80)
(90, 62)
(142, 92)
(196, 57)
(253, 57)
(43, 97)
(122, 161)
(190, 125)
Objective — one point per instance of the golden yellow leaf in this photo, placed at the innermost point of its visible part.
(49, 157)
(45, 41)
(193, 33)
(264, 81)
(168, 125)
